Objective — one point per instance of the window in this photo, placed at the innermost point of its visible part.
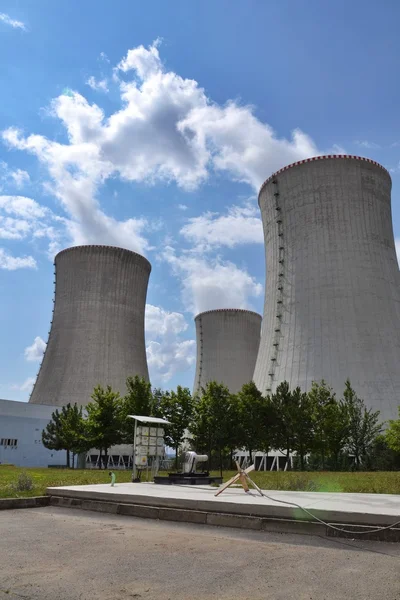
(8, 442)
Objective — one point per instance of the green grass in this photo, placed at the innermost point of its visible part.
(43, 478)
(377, 482)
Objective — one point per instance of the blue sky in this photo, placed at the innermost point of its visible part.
(151, 126)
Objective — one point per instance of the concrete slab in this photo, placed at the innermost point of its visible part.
(365, 509)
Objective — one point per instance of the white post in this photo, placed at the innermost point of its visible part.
(134, 453)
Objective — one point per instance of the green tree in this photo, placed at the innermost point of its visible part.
(285, 407)
(176, 407)
(364, 425)
(75, 432)
(67, 431)
(214, 424)
(254, 423)
(156, 401)
(382, 457)
(104, 420)
(303, 437)
(392, 434)
(138, 400)
(52, 435)
(330, 422)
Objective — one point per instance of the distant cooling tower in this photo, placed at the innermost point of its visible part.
(97, 331)
(227, 346)
(332, 302)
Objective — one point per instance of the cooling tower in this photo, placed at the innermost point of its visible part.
(97, 331)
(332, 301)
(227, 346)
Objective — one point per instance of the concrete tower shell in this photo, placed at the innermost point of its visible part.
(97, 331)
(227, 346)
(332, 300)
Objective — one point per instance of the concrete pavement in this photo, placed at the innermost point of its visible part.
(59, 554)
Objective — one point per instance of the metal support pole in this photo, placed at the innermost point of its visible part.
(134, 453)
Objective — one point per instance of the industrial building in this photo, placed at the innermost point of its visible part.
(332, 298)
(21, 426)
(227, 346)
(97, 330)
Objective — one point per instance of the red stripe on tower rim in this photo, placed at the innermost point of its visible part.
(324, 157)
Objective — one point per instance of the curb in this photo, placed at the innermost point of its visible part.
(34, 502)
(255, 523)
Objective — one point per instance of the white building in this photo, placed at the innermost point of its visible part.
(21, 426)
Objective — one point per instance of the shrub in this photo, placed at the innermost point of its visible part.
(24, 483)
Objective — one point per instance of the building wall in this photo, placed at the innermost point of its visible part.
(97, 330)
(332, 300)
(24, 423)
(227, 346)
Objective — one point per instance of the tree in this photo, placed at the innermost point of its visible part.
(303, 425)
(176, 407)
(75, 431)
(393, 434)
(52, 435)
(104, 420)
(364, 425)
(285, 407)
(67, 431)
(214, 423)
(138, 400)
(382, 457)
(254, 419)
(330, 421)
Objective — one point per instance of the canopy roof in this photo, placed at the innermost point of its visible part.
(149, 419)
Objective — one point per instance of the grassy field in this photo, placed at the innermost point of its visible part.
(377, 482)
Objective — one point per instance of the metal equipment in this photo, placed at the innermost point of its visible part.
(190, 461)
(189, 474)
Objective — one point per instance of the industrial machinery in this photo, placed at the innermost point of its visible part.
(191, 460)
(189, 474)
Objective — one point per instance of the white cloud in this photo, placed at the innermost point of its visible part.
(166, 130)
(12, 22)
(22, 207)
(103, 56)
(146, 62)
(166, 359)
(23, 218)
(12, 263)
(167, 353)
(160, 322)
(20, 177)
(17, 178)
(241, 225)
(27, 385)
(97, 84)
(397, 244)
(36, 350)
(367, 144)
(76, 175)
(212, 284)
(182, 206)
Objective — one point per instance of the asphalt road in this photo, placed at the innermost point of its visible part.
(66, 554)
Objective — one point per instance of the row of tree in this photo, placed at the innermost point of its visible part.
(104, 422)
(321, 430)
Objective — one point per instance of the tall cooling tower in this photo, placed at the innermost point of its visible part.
(332, 301)
(227, 346)
(97, 331)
